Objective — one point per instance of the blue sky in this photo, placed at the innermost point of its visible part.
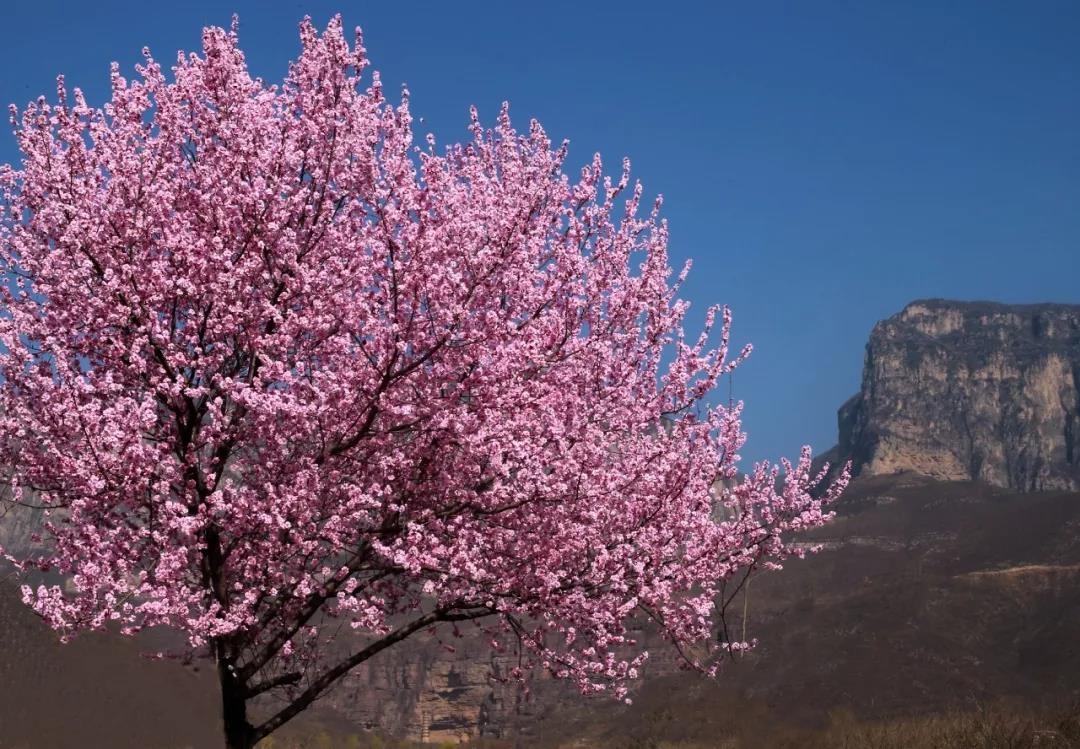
(823, 163)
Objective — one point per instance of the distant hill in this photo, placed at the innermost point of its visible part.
(928, 596)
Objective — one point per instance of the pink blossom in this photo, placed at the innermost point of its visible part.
(275, 367)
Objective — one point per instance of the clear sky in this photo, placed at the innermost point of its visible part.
(824, 163)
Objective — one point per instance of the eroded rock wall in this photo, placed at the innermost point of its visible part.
(971, 390)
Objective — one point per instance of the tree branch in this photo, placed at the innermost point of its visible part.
(291, 677)
(329, 677)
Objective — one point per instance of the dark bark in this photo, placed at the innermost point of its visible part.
(239, 733)
(236, 690)
(328, 678)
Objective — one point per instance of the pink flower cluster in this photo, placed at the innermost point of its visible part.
(273, 367)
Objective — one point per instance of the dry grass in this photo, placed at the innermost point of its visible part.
(978, 728)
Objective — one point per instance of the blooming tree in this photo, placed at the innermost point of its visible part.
(271, 367)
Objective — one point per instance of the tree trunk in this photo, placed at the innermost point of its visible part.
(239, 734)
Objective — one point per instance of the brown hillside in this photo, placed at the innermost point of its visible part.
(927, 596)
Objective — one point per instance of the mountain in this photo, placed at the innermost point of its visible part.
(970, 391)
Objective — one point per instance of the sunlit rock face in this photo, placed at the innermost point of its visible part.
(971, 390)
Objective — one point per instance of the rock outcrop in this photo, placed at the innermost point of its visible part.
(971, 391)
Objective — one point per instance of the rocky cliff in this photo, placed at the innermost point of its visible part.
(971, 390)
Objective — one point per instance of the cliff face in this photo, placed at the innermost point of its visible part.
(971, 390)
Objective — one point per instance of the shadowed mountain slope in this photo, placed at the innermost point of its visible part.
(927, 596)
